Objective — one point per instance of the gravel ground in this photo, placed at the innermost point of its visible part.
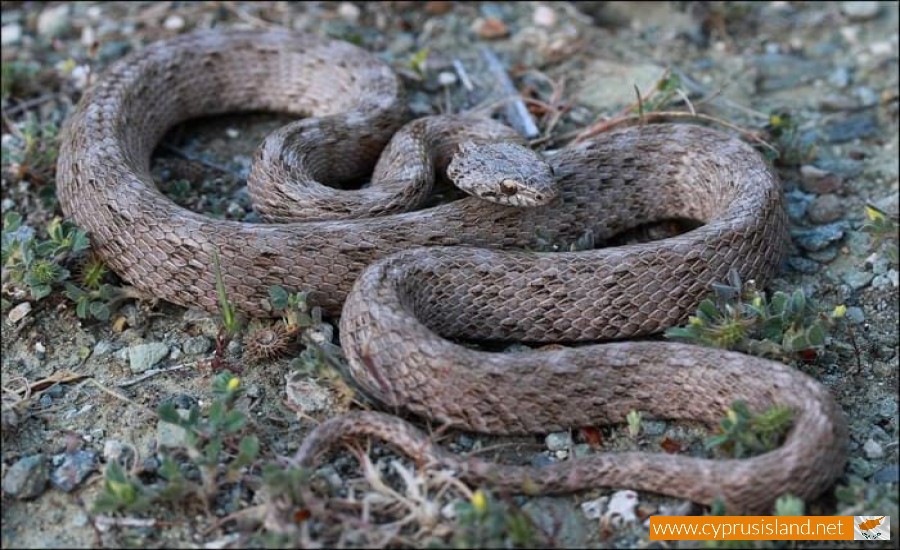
(828, 68)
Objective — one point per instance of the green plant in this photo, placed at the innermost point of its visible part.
(417, 61)
(486, 522)
(739, 317)
(205, 438)
(231, 322)
(295, 311)
(17, 77)
(883, 230)
(208, 441)
(742, 433)
(634, 423)
(33, 155)
(40, 266)
(783, 129)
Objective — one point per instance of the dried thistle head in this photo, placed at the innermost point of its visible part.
(266, 342)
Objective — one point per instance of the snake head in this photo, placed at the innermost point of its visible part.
(504, 173)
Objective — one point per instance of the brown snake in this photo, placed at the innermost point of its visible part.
(406, 299)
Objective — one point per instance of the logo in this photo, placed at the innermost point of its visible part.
(871, 528)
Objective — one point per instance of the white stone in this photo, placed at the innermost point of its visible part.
(349, 11)
(873, 449)
(10, 34)
(19, 312)
(53, 21)
(544, 16)
(173, 23)
(860, 9)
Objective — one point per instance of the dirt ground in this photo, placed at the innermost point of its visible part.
(79, 393)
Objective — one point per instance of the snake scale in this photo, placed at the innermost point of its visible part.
(403, 282)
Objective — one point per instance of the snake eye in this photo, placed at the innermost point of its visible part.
(509, 187)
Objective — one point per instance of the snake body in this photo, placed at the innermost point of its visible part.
(401, 290)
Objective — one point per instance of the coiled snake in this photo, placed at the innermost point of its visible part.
(401, 290)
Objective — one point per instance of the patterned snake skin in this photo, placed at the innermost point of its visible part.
(405, 292)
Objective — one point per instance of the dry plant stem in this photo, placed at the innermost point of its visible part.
(398, 290)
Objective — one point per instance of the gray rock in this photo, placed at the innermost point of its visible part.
(858, 279)
(197, 345)
(653, 427)
(840, 77)
(888, 474)
(558, 441)
(610, 85)
(890, 279)
(540, 460)
(855, 315)
(27, 478)
(819, 237)
(823, 256)
(803, 265)
(867, 96)
(53, 21)
(825, 209)
(103, 347)
(581, 450)
(890, 204)
(853, 127)
(778, 71)
(860, 10)
(816, 180)
(170, 435)
(873, 449)
(10, 34)
(796, 204)
(73, 468)
(145, 356)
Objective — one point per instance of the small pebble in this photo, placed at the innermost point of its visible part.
(171, 435)
(143, 357)
(840, 77)
(803, 265)
(305, 396)
(558, 441)
(541, 460)
(490, 28)
(855, 315)
(27, 478)
(873, 449)
(53, 21)
(888, 474)
(858, 279)
(73, 469)
(19, 312)
(112, 450)
(349, 11)
(446, 78)
(197, 345)
(232, 133)
(819, 181)
(544, 16)
(10, 34)
(825, 209)
(102, 348)
(860, 10)
(173, 23)
(819, 237)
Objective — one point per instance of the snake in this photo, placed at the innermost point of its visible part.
(409, 282)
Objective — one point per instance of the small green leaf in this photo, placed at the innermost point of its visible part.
(234, 421)
(168, 413)
(278, 297)
(100, 311)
